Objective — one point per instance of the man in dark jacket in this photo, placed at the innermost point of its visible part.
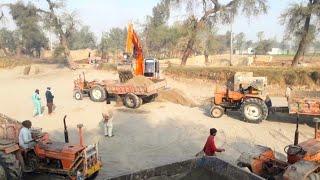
(49, 98)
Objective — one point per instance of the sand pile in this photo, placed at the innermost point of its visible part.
(175, 96)
(140, 81)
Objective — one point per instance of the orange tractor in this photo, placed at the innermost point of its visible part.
(302, 159)
(250, 103)
(62, 158)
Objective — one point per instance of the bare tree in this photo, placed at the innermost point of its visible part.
(212, 12)
(298, 19)
(63, 26)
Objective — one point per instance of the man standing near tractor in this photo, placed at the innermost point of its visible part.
(37, 103)
(49, 98)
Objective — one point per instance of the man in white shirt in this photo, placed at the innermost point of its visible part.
(288, 92)
(108, 126)
(25, 139)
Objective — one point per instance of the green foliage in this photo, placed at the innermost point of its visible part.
(113, 41)
(82, 39)
(31, 36)
(8, 40)
(315, 76)
(58, 52)
(264, 46)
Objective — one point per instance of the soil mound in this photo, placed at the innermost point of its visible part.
(140, 81)
(175, 96)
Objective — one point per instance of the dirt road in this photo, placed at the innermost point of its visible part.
(155, 134)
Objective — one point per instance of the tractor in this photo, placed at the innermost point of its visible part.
(302, 159)
(94, 89)
(73, 161)
(249, 102)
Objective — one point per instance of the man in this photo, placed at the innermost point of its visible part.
(25, 138)
(210, 147)
(288, 92)
(108, 126)
(49, 98)
(37, 103)
(241, 90)
(268, 103)
(25, 142)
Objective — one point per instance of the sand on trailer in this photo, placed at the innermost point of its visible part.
(140, 81)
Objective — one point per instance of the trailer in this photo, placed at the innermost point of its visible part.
(132, 95)
(197, 168)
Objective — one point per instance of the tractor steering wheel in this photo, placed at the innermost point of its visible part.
(293, 149)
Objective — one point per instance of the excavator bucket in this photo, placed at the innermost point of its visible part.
(125, 72)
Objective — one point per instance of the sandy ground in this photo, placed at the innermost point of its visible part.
(155, 134)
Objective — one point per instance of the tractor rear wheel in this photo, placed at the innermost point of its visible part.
(254, 110)
(98, 93)
(216, 111)
(11, 166)
(132, 101)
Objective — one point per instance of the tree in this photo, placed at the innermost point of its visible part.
(297, 20)
(64, 25)
(8, 41)
(82, 39)
(264, 46)
(212, 12)
(113, 41)
(32, 38)
(240, 41)
(260, 36)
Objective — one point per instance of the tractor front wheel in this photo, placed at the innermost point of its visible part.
(216, 111)
(254, 110)
(77, 95)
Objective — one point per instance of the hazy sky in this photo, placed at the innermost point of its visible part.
(101, 15)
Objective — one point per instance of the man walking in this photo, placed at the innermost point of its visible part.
(49, 98)
(37, 103)
(108, 126)
(210, 147)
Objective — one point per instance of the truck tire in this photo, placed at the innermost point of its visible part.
(97, 93)
(216, 111)
(254, 110)
(131, 101)
(77, 95)
(11, 166)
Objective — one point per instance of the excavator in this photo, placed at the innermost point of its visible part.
(148, 67)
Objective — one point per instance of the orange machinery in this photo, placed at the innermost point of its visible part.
(73, 161)
(148, 67)
(302, 159)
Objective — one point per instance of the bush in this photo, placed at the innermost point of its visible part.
(58, 52)
(315, 76)
(290, 78)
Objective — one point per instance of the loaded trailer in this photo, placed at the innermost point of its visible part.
(132, 95)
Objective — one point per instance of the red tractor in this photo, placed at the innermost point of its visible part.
(62, 158)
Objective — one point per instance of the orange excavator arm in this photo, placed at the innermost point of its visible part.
(134, 47)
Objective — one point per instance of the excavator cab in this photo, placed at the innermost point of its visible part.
(151, 68)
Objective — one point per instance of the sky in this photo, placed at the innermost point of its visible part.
(101, 15)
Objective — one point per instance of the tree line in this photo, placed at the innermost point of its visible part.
(196, 34)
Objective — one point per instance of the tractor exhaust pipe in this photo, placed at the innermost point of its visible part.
(66, 136)
(80, 134)
(296, 133)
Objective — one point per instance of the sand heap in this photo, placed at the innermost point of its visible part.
(175, 96)
(140, 81)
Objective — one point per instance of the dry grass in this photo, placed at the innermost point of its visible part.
(275, 75)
